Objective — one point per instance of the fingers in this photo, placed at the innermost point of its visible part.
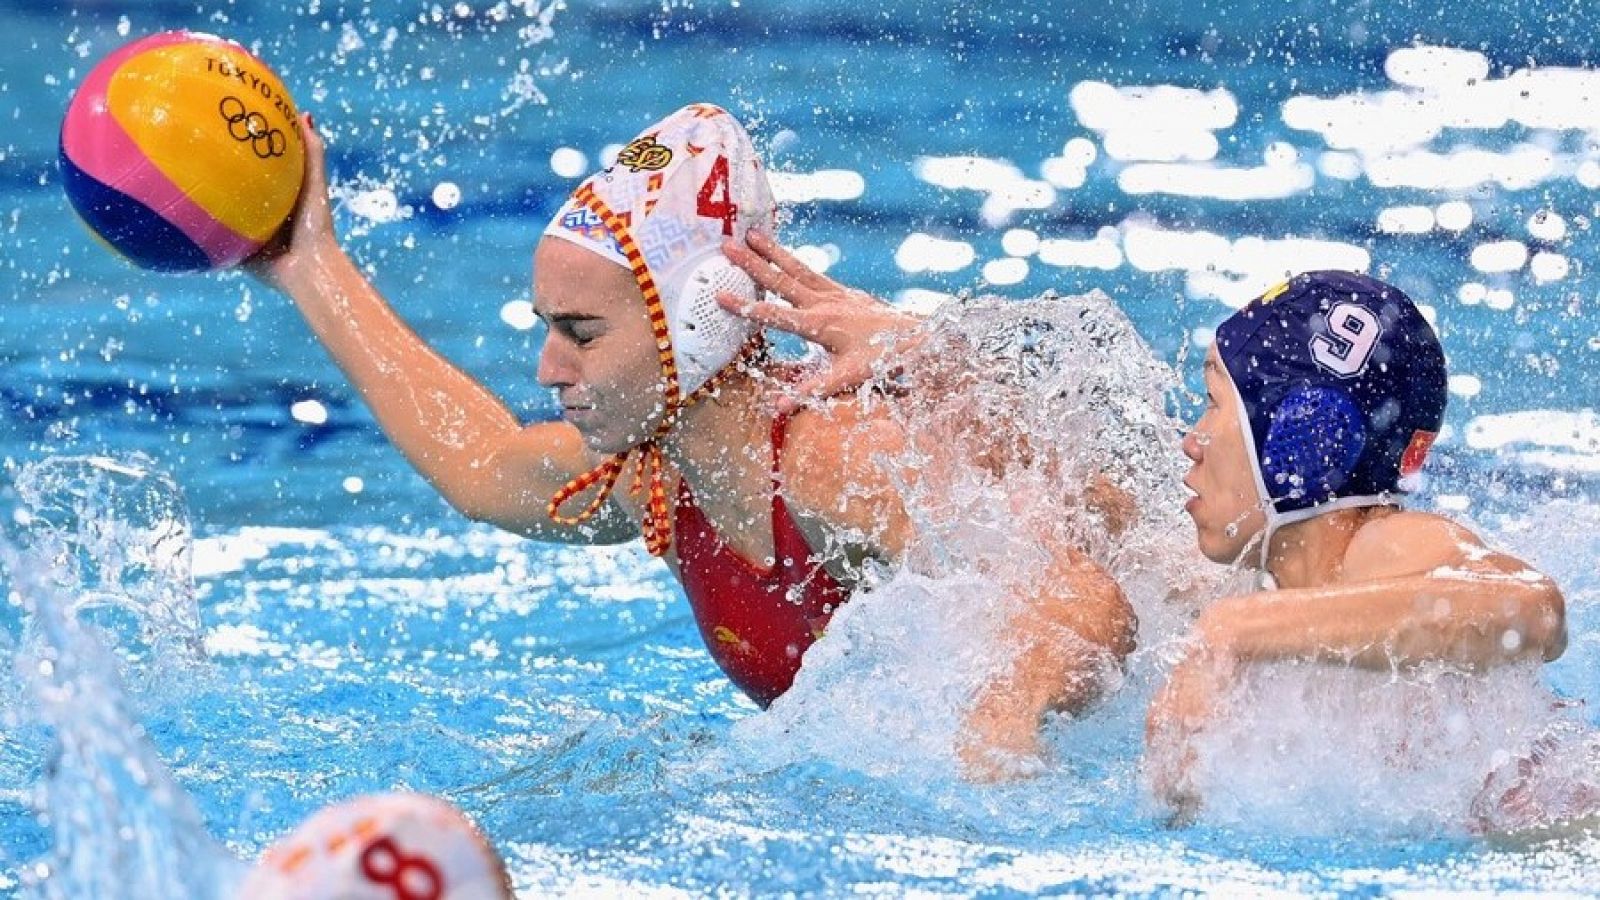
(787, 262)
(765, 275)
(315, 151)
(773, 315)
(778, 271)
(835, 379)
(310, 220)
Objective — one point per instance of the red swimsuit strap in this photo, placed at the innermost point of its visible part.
(780, 427)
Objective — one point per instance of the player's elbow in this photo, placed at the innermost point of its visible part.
(1545, 620)
(469, 499)
(472, 507)
(1536, 621)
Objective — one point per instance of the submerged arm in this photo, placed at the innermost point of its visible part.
(1070, 636)
(1416, 588)
(452, 429)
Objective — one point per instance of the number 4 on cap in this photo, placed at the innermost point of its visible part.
(711, 208)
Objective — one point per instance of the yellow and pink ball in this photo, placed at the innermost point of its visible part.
(181, 151)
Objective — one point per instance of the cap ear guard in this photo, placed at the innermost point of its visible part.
(1313, 444)
(706, 337)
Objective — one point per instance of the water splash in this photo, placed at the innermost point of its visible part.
(113, 535)
(1029, 424)
(102, 556)
(1306, 748)
(1073, 441)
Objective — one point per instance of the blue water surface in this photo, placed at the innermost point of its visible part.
(363, 637)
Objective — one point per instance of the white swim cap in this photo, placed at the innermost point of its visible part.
(662, 210)
(381, 847)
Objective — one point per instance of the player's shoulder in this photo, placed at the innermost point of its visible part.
(1407, 542)
(837, 448)
(841, 431)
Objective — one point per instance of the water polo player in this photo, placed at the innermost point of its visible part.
(662, 390)
(1322, 399)
(381, 847)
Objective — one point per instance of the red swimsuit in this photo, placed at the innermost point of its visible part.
(757, 622)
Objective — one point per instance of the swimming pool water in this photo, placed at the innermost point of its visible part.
(361, 637)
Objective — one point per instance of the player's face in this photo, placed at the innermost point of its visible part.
(1226, 506)
(600, 355)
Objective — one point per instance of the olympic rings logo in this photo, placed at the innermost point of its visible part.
(244, 125)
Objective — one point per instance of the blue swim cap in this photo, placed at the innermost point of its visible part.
(1342, 387)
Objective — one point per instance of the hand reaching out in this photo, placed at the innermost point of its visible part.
(864, 336)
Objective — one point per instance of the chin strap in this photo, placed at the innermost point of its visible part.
(650, 466)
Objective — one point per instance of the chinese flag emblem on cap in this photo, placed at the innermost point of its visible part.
(1416, 452)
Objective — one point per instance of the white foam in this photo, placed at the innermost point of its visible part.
(809, 187)
(1499, 299)
(973, 173)
(446, 195)
(1463, 169)
(1465, 386)
(1439, 88)
(519, 314)
(378, 205)
(925, 253)
(921, 301)
(1267, 182)
(1096, 253)
(1547, 225)
(232, 552)
(1547, 267)
(1435, 67)
(569, 162)
(817, 258)
(1007, 189)
(242, 640)
(310, 412)
(1020, 242)
(1003, 272)
(1499, 256)
(1454, 215)
(1176, 145)
(1339, 165)
(1372, 123)
(1063, 173)
(1406, 220)
(1234, 271)
(1103, 107)
(1575, 430)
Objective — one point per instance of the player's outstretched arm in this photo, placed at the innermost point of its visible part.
(1416, 588)
(452, 429)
